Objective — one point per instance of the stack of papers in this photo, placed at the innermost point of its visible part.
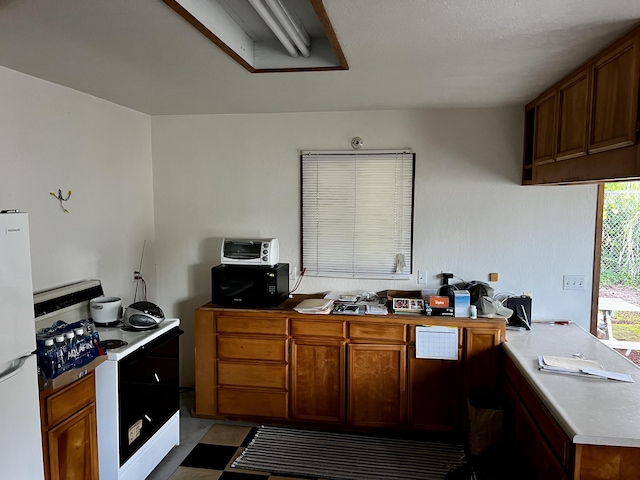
(320, 306)
(578, 366)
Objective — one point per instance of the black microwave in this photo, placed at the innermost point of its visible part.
(249, 285)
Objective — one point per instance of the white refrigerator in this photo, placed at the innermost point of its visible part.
(20, 438)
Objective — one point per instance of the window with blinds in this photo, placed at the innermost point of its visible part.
(357, 214)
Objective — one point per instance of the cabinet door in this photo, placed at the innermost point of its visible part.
(573, 116)
(614, 109)
(377, 391)
(73, 447)
(481, 358)
(317, 380)
(434, 393)
(544, 129)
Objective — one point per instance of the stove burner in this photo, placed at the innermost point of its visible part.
(128, 328)
(111, 344)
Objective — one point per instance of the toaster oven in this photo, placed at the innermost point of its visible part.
(250, 251)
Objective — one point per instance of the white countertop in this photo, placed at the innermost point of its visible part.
(134, 339)
(591, 411)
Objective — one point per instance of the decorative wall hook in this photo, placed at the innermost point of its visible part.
(61, 199)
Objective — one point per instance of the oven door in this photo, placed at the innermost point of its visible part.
(149, 391)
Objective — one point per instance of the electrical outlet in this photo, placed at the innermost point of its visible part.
(293, 272)
(422, 277)
(573, 282)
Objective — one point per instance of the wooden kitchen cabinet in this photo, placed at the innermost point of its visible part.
(69, 431)
(572, 116)
(544, 129)
(377, 385)
(252, 366)
(482, 358)
(318, 357)
(614, 111)
(352, 372)
(585, 127)
(434, 391)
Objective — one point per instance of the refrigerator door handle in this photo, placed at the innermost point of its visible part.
(14, 367)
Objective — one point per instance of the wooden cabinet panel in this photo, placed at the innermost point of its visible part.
(573, 116)
(544, 129)
(377, 385)
(69, 431)
(434, 393)
(252, 403)
(481, 358)
(614, 110)
(73, 447)
(251, 325)
(317, 380)
(252, 375)
(317, 328)
(205, 362)
(252, 348)
(376, 331)
(69, 400)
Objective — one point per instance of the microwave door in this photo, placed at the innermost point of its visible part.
(234, 288)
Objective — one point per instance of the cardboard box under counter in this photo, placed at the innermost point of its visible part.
(71, 376)
(461, 303)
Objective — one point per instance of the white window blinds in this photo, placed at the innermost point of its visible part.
(357, 214)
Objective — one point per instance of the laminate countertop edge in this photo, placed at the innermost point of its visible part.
(591, 411)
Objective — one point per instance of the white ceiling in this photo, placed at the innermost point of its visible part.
(401, 53)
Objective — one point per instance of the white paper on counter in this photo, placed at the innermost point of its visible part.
(437, 342)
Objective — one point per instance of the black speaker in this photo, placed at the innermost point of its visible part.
(521, 307)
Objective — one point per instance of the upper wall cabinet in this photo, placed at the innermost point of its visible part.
(614, 110)
(585, 128)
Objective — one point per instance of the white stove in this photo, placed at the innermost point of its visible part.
(133, 339)
(137, 408)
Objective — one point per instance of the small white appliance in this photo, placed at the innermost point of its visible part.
(250, 251)
(105, 310)
(20, 437)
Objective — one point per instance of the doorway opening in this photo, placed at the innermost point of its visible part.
(618, 293)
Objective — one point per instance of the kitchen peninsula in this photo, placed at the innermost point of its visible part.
(567, 426)
(348, 371)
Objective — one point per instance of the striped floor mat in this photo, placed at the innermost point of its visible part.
(339, 456)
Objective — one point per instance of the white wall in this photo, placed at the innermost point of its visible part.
(52, 137)
(238, 175)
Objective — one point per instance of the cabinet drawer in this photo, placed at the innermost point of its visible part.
(252, 348)
(377, 331)
(251, 375)
(314, 328)
(252, 403)
(72, 398)
(265, 326)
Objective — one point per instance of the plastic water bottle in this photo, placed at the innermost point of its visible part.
(48, 358)
(71, 351)
(60, 354)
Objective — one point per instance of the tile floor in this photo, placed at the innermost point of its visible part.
(215, 445)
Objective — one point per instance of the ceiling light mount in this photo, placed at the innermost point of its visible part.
(268, 35)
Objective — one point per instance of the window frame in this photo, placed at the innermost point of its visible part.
(351, 154)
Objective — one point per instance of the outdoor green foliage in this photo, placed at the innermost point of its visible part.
(620, 257)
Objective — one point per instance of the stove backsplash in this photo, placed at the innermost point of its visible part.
(68, 303)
